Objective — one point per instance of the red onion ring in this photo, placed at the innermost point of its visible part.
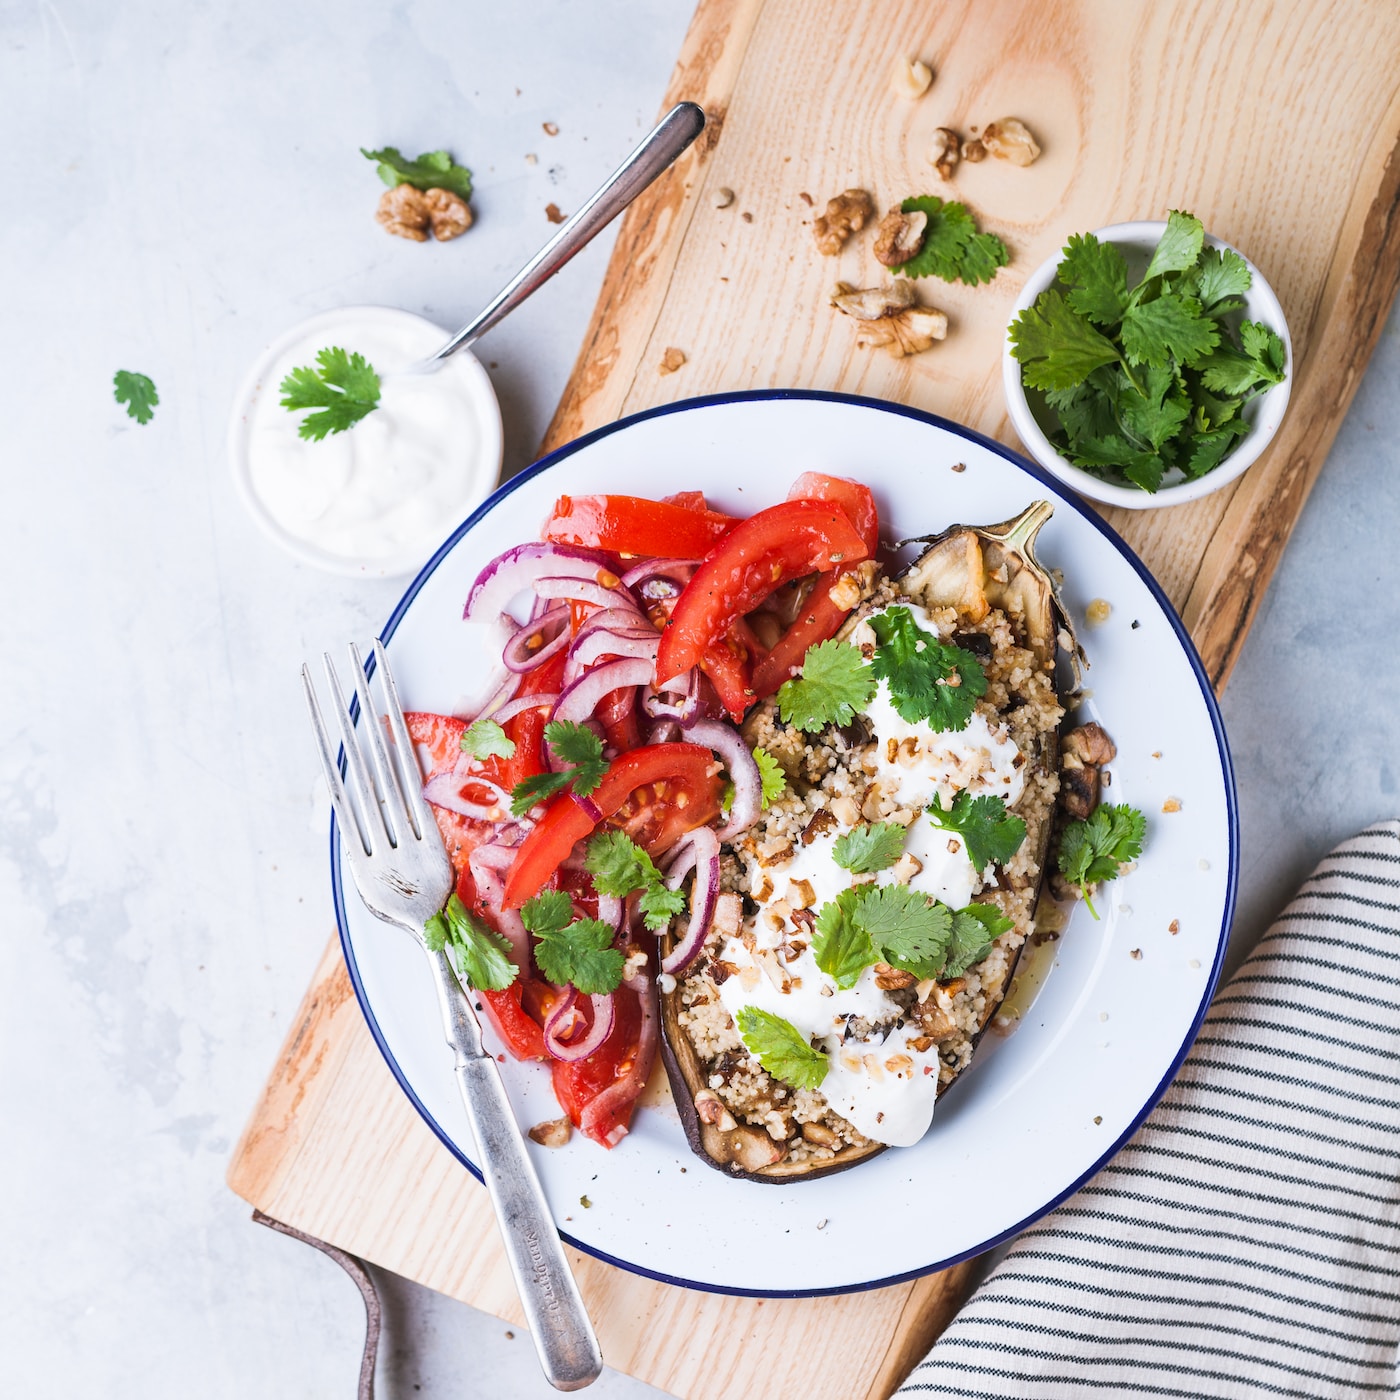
(578, 701)
(491, 887)
(729, 744)
(445, 790)
(621, 1093)
(521, 703)
(685, 709)
(600, 643)
(564, 1019)
(704, 849)
(514, 571)
(517, 654)
(665, 731)
(678, 570)
(610, 910)
(584, 590)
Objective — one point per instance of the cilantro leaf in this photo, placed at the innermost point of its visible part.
(1208, 449)
(434, 170)
(570, 743)
(1057, 348)
(535, 789)
(1152, 417)
(480, 955)
(781, 1048)
(1221, 274)
(1092, 850)
(834, 685)
(1265, 347)
(1171, 327)
(771, 774)
(486, 739)
(344, 387)
(910, 930)
(1179, 247)
(928, 679)
(137, 392)
(1097, 277)
(619, 866)
(578, 951)
(841, 947)
(583, 955)
(974, 930)
(659, 906)
(952, 247)
(988, 831)
(865, 849)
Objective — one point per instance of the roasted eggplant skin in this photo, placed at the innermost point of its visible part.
(975, 569)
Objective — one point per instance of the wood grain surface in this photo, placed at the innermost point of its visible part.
(1276, 124)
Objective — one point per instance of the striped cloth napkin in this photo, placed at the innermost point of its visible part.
(1246, 1242)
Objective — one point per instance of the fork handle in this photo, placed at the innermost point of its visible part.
(563, 1335)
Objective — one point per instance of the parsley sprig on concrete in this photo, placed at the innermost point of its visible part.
(1155, 377)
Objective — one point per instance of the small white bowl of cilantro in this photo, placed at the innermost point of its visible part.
(1147, 364)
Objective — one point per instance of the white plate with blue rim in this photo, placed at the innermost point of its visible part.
(1117, 1001)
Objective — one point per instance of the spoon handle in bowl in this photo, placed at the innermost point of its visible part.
(671, 135)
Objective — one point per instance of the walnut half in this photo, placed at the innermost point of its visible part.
(899, 237)
(846, 213)
(407, 212)
(944, 151)
(892, 317)
(1011, 140)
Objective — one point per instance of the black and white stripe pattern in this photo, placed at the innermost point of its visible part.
(1246, 1242)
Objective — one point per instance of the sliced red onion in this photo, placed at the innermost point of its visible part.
(665, 731)
(584, 590)
(598, 643)
(623, 620)
(491, 887)
(589, 807)
(514, 571)
(519, 656)
(578, 701)
(677, 570)
(705, 845)
(684, 704)
(564, 1019)
(729, 744)
(521, 703)
(445, 790)
(618, 1097)
(610, 910)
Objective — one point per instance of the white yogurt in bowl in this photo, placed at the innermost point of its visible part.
(375, 500)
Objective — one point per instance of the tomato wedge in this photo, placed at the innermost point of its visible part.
(633, 525)
(658, 793)
(762, 553)
(820, 616)
(599, 1092)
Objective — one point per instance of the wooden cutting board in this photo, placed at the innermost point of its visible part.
(1276, 124)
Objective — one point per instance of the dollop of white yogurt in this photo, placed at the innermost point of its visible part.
(388, 489)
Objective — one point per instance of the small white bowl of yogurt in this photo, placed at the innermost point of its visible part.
(375, 500)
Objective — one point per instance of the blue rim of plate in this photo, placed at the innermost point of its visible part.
(1032, 470)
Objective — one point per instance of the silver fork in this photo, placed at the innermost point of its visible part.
(404, 876)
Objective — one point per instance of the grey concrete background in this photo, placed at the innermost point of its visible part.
(184, 183)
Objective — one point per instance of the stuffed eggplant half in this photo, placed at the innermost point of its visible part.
(868, 925)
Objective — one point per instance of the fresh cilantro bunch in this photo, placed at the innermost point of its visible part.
(570, 950)
(928, 679)
(1092, 850)
(1145, 380)
(137, 392)
(988, 831)
(781, 1048)
(343, 386)
(574, 745)
(434, 170)
(834, 685)
(952, 248)
(903, 927)
(480, 955)
(620, 867)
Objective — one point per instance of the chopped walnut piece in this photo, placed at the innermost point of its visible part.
(891, 317)
(944, 150)
(910, 78)
(1089, 743)
(671, 360)
(973, 151)
(899, 237)
(889, 978)
(724, 197)
(711, 1110)
(554, 1132)
(846, 213)
(554, 213)
(1172, 804)
(1011, 140)
(407, 212)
